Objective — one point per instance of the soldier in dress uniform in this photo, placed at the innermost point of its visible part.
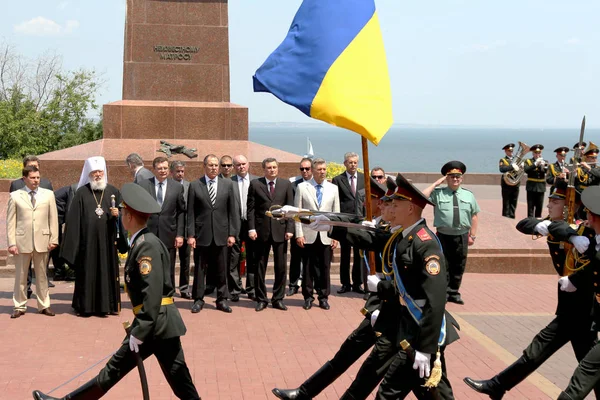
(363, 337)
(557, 171)
(587, 374)
(535, 168)
(573, 312)
(588, 174)
(575, 147)
(158, 326)
(510, 194)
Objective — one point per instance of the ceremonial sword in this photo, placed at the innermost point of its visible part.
(140, 365)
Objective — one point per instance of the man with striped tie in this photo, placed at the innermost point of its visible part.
(212, 225)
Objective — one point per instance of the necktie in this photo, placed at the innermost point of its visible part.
(159, 195)
(353, 185)
(32, 194)
(319, 195)
(456, 216)
(244, 198)
(271, 189)
(211, 192)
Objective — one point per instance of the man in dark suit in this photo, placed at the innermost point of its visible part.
(212, 226)
(349, 183)
(169, 223)
(297, 254)
(267, 232)
(178, 174)
(44, 183)
(63, 197)
(241, 183)
(136, 166)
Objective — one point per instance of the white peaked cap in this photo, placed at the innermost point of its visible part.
(92, 164)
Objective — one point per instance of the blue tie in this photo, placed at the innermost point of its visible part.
(319, 195)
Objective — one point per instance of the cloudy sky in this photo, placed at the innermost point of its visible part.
(526, 63)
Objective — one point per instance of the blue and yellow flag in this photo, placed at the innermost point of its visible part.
(332, 67)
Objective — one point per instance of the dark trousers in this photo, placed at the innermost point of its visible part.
(263, 247)
(585, 377)
(184, 267)
(172, 255)
(548, 341)
(234, 278)
(318, 269)
(345, 249)
(535, 202)
(510, 197)
(203, 257)
(298, 257)
(455, 249)
(401, 379)
(169, 355)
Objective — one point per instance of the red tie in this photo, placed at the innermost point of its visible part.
(271, 189)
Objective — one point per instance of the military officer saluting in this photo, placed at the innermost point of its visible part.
(558, 171)
(510, 194)
(158, 326)
(535, 168)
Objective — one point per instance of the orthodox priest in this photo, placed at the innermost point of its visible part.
(90, 242)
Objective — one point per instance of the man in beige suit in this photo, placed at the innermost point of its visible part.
(320, 195)
(32, 229)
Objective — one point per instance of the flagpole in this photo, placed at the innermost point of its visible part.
(368, 209)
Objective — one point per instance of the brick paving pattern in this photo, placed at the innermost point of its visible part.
(245, 354)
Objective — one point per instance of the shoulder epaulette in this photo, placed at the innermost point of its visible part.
(423, 235)
(503, 160)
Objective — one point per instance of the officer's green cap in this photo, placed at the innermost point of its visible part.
(138, 199)
(591, 199)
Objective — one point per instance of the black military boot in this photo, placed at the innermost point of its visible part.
(89, 391)
(564, 396)
(486, 387)
(312, 386)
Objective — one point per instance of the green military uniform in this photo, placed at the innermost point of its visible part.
(157, 324)
(510, 194)
(571, 324)
(536, 184)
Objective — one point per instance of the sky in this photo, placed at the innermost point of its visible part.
(525, 63)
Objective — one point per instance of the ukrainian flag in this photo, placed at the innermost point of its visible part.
(332, 67)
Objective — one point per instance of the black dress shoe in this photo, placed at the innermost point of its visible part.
(308, 304)
(324, 304)
(344, 289)
(261, 305)
(197, 306)
(278, 304)
(358, 289)
(455, 298)
(243, 291)
(186, 295)
(37, 395)
(251, 296)
(17, 314)
(235, 297)
(223, 306)
(48, 312)
(291, 291)
(485, 387)
(289, 394)
(366, 296)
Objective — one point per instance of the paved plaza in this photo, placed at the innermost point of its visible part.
(245, 354)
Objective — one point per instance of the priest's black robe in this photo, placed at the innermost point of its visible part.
(89, 245)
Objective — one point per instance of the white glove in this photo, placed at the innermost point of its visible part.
(581, 243)
(542, 227)
(515, 166)
(422, 364)
(134, 343)
(317, 225)
(289, 209)
(370, 224)
(372, 282)
(566, 285)
(374, 316)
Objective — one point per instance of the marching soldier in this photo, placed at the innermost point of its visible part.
(158, 326)
(572, 322)
(510, 194)
(535, 168)
(588, 174)
(557, 171)
(363, 337)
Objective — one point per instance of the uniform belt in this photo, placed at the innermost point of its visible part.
(164, 302)
(536, 180)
